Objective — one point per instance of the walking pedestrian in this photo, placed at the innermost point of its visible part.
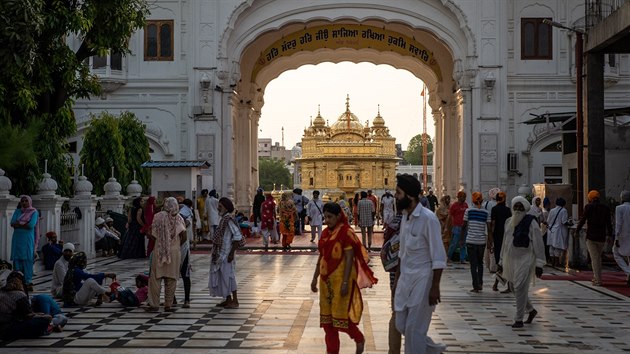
(422, 259)
(388, 208)
(315, 216)
(456, 215)
(499, 215)
(558, 232)
(442, 214)
(341, 272)
(476, 227)
(366, 211)
(288, 217)
(599, 230)
(268, 219)
(621, 250)
(522, 257)
(259, 198)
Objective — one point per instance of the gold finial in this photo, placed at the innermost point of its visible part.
(318, 110)
(347, 102)
(378, 109)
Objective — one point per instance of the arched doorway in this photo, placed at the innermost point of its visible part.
(426, 38)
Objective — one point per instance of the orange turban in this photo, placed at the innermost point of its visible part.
(477, 197)
(500, 197)
(592, 195)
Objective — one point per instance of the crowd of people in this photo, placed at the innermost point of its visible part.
(421, 236)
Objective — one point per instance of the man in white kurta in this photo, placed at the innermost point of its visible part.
(621, 250)
(422, 258)
(315, 213)
(558, 232)
(519, 263)
(212, 209)
(388, 208)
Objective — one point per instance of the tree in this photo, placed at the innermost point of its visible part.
(272, 171)
(102, 149)
(413, 155)
(136, 146)
(42, 74)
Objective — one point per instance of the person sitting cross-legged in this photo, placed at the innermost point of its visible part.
(80, 287)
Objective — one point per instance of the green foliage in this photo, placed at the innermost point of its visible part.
(136, 146)
(413, 155)
(102, 149)
(42, 75)
(272, 171)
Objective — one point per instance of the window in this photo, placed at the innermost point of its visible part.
(115, 61)
(536, 39)
(158, 40)
(553, 174)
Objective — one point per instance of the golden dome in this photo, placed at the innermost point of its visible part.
(319, 120)
(347, 121)
(378, 120)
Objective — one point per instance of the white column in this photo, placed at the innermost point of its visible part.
(85, 239)
(8, 205)
(227, 151)
(49, 207)
(438, 148)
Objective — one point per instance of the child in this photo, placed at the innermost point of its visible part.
(126, 297)
(244, 224)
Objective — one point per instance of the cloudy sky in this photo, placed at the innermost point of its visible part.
(292, 98)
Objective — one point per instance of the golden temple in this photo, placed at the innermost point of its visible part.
(347, 156)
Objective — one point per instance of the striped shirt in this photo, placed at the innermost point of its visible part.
(477, 219)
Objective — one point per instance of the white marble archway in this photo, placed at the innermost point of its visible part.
(254, 25)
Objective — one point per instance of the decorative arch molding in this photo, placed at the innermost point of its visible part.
(461, 42)
(537, 10)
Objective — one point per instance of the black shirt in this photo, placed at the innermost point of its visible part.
(499, 214)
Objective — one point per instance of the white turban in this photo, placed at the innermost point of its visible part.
(519, 199)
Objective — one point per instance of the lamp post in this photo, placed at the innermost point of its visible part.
(579, 119)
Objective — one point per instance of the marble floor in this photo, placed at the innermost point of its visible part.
(279, 314)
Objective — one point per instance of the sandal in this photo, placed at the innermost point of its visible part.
(151, 309)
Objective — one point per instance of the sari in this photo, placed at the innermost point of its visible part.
(288, 213)
(334, 309)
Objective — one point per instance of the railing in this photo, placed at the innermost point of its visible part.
(598, 10)
(69, 231)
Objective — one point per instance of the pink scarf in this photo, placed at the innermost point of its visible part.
(27, 214)
(167, 225)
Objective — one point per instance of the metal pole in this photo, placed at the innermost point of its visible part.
(579, 55)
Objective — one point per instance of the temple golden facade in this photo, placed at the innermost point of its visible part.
(347, 156)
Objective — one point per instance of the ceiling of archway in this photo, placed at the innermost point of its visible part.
(396, 44)
(346, 36)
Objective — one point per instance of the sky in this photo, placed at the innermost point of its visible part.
(292, 99)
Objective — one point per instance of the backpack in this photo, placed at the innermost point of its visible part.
(521, 232)
(389, 253)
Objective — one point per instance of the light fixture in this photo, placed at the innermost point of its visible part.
(488, 83)
(204, 81)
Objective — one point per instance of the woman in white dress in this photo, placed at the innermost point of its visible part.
(558, 232)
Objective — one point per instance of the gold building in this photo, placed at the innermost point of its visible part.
(347, 156)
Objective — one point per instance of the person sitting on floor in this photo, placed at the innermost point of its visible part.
(52, 250)
(60, 269)
(80, 287)
(17, 318)
(104, 239)
(127, 297)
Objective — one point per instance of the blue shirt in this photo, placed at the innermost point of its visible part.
(477, 219)
(81, 275)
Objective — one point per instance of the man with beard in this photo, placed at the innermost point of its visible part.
(522, 257)
(422, 258)
(597, 216)
(60, 269)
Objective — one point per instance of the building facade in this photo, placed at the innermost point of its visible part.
(198, 71)
(347, 156)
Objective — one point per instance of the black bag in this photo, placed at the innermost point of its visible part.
(521, 232)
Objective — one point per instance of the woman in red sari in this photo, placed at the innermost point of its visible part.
(342, 272)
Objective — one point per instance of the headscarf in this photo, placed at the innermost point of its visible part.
(149, 211)
(15, 281)
(625, 196)
(522, 200)
(410, 185)
(534, 209)
(345, 236)
(561, 202)
(477, 197)
(492, 193)
(79, 260)
(27, 214)
(592, 195)
(166, 226)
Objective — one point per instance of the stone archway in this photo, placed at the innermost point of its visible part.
(426, 38)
